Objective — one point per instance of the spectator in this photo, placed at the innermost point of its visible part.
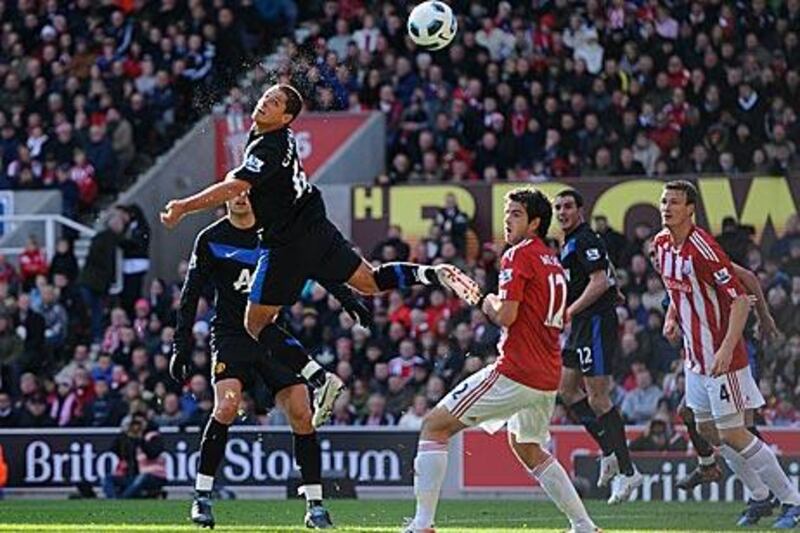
(376, 414)
(105, 410)
(412, 418)
(101, 271)
(11, 346)
(640, 403)
(141, 470)
(9, 417)
(55, 318)
(30, 327)
(658, 438)
(171, 414)
(32, 263)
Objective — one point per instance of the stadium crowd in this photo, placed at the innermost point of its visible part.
(533, 90)
(528, 91)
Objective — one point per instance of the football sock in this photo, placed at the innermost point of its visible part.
(404, 275)
(760, 458)
(750, 479)
(290, 352)
(307, 453)
(430, 466)
(615, 433)
(212, 449)
(556, 483)
(586, 416)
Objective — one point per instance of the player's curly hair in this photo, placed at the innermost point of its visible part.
(537, 205)
(294, 102)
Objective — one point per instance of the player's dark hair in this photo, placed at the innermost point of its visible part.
(294, 102)
(687, 187)
(575, 195)
(536, 204)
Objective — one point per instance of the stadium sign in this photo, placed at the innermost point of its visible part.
(254, 456)
(576, 450)
(764, 202)
(661, 473)
(318, 136)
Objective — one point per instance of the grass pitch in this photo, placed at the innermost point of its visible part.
(471, 516)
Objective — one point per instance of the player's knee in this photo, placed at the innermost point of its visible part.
(529, 453)
(709, 432)
(599, 402)
(226, 409)
(300, 420)
(435, 425)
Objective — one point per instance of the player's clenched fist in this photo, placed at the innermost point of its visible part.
(172, 213)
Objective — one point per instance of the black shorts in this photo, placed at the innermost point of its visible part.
(593, 344)
(240, 357)
(322, 253)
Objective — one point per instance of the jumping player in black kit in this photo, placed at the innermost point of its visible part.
(593, 344)
(297, 239)
(225, 255)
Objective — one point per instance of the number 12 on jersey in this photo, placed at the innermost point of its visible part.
(557, 288)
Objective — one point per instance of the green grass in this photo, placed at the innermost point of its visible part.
(471, 516)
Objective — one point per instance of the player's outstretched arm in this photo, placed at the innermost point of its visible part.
(208, 198)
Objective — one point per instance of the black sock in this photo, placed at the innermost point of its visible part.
(212, 447)
(701, 445)
(290, 352)
(615, 433)
(586, 416)
(404, 275)
(308, 455)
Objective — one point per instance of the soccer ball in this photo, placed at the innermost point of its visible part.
(432, 25)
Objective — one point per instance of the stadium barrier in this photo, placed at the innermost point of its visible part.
(375, 462)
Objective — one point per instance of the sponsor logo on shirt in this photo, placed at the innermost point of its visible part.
(253, 164)
(592, 254)
(722, 276)
(674, 285)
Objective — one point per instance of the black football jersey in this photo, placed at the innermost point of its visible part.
(225, 258)
(583, 253)
(283, 200)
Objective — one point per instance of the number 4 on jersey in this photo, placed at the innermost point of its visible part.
(243, 283)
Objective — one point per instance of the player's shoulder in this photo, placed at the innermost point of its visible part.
(662, 237)
(705, 244)
(532, 251)
(215, 230)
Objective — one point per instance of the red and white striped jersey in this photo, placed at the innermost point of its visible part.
(702, 285)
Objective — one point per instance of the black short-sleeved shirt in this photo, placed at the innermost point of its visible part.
(283, 200)
(225, 257)
(582, 254)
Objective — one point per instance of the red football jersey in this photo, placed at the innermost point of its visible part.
(530, 352)
(701, 284)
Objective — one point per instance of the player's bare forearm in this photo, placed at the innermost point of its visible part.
(598, 285)
(214, 195)
(751, 283)
(736, 321)
(501, 312)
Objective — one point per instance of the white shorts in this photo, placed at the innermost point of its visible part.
(490, 400)
(718, 398)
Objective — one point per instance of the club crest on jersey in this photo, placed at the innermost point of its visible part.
(219, 368)
(505, 276)
(253, 164)
(592, 254)
(722, 276)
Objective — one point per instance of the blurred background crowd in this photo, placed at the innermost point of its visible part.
(91, 92)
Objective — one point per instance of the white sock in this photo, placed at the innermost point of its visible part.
(311, 368)
(750, 479)
(705, 461)
(204, 483)
(311, 492)
(556, 483)
(430, 466)
(760, 458)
